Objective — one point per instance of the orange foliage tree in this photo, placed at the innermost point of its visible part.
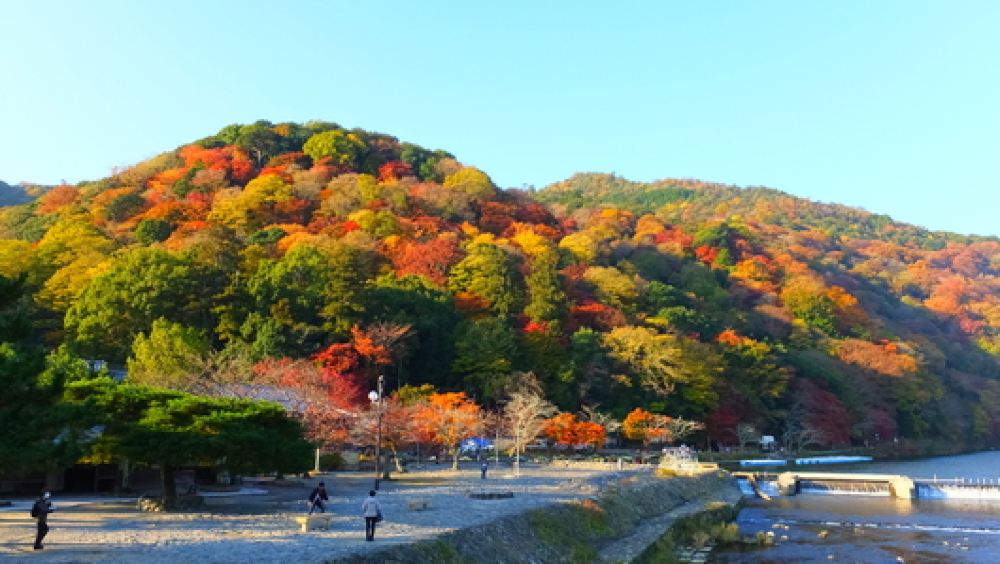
(883, 359)
(641, 425)
(431, 259)
(57, 198)
(447, 418)
(566, 429)
(561, 429)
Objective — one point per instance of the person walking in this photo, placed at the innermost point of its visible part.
(372, 512)
(485, 467)
(317, 497)
(40, 512)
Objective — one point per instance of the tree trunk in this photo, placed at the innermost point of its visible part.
(169, 485)
(126, 473)
(395, 457)
(454, 460)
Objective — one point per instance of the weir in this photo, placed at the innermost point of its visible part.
(958, 489)
(765, 485)
(791, 483)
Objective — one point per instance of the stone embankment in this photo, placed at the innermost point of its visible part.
(617, 525)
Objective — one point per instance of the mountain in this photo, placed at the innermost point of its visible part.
(13, 195)
(733, 306)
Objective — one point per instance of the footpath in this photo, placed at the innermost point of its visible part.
(624, 512)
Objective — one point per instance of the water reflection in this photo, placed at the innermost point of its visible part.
(976, 466)
(818, 527)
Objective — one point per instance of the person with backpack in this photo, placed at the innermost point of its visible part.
(40, 512)
(317, 497)
(372, 512)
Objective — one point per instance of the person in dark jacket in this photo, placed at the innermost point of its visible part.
(317, 497)
(40, 511)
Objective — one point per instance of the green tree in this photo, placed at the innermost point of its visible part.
(14, 323)
(36, 431)
(151, 231)
(124, 207)
(170, 429)
(259, 139)
(542, 352)
(488, 272)
(547, 299)
(415, 301)
(170, 355)
(808, 300)
(342, 147)
(424, 162)
(472, 182)
(483, 352)
(140, 287)
(309, 292)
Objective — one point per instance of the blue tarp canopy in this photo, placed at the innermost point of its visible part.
(476, 443)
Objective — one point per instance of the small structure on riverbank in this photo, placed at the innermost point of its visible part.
(681, 461)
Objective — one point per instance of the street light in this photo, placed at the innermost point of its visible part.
(376, 398)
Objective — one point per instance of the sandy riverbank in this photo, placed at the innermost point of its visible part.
(260, 528)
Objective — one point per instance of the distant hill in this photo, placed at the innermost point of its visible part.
(818, 323)
(13, 195)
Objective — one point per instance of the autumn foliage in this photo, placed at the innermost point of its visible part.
(641, 425)
(300, 245)
(566, 429)
(447, 418)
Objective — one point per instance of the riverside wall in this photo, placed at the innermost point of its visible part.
(616, 525)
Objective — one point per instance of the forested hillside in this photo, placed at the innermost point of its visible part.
(266, 246)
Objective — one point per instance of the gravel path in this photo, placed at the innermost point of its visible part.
(261, 528)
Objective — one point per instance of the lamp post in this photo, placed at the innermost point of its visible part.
(376, 398)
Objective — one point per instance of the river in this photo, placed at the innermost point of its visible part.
(818, 527)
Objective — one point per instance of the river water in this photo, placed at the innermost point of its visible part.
(821, 527)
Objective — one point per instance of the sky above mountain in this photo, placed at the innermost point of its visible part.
(890, 106)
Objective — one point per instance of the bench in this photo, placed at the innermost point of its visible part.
(417, 504)
(314, 522)
(491, 494)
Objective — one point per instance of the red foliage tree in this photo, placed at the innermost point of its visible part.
(822, 412)
(394, 170)
(721, 423)
(327, 402)
(596, 316)
(431, 259)
(534, 213)
(707, 254)
(495, 217)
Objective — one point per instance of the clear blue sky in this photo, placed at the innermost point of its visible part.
(891, 106)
